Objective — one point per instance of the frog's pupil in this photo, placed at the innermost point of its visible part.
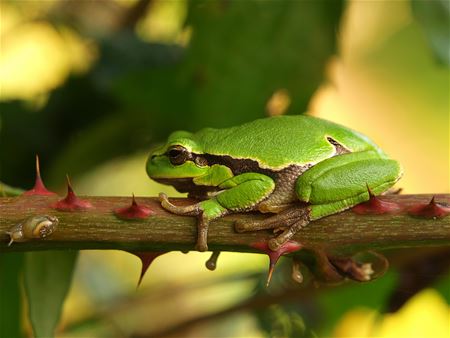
(178, 156)
(175, 153)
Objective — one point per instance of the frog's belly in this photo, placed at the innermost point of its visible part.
(284, 194)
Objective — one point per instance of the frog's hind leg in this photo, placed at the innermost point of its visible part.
(341, 182)
(292, 220)
(284, 219)
(329, 187)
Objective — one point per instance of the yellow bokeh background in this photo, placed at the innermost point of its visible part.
(36, 57)
(374, 89)
(425, 315)
(370, 87)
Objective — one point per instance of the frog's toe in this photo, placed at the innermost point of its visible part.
(273, 222)
(240, 226)
(279, 229)
(189, 210)
(202, 247)
(245, 226)
(275, 243)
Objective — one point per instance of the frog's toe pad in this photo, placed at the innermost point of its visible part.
(243, 226)
(202, 247)
(274, 244)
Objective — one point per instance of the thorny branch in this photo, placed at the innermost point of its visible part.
(99, 228)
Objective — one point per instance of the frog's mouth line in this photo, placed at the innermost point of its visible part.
(181, 184)
(184, 185)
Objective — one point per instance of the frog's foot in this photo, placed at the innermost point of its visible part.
(189, 210)
(267, 207)
(206, 211)
(211, 263)
(290, 220)
(282, 220)
(393, 191)
(287, 234)
(202, 235)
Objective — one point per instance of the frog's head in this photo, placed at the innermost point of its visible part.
(177, 162)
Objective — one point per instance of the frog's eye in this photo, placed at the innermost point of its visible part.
(178, 155)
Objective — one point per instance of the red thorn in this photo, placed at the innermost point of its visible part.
(39, 187)
(274, 256)
(269, 275)
(147, 258)
(375, 206)
(71, 202)
(429, 210)
(134, 211)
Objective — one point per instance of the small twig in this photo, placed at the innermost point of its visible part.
(134, 14)
(258, 301)
(417, 274)
(295, 294)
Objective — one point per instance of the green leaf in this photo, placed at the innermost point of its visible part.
(281, 321)
(48, 275)
(335, 302)
(6, 190)
(434, 16)
(442, 286)
(243, 51)
(240, 54)
(10, 303)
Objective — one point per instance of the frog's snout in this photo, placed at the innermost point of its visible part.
(151, 165)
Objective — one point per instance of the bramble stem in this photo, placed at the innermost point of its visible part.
(99, 228)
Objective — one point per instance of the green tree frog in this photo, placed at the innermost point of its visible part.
(300, 168)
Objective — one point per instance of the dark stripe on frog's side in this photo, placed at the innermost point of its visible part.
(239, 166)
(284, 193)
(186, 185)
(285, 179)
(340, 149)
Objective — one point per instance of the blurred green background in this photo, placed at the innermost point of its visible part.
(91, 86)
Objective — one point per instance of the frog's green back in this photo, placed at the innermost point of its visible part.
(277, 142)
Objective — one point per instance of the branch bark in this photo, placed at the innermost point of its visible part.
(99, 228)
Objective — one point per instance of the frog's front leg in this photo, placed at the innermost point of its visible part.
(205, 211)
(239, 193)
